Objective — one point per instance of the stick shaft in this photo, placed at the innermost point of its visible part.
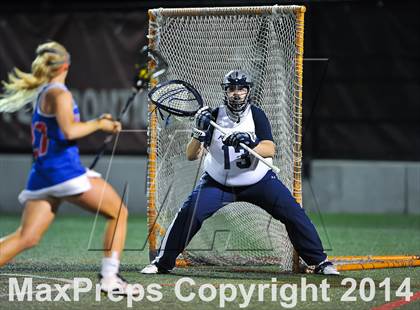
(244, 146)
(108, 139)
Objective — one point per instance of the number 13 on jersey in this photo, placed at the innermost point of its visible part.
(243, 161)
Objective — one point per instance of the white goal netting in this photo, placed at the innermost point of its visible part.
(200, 46)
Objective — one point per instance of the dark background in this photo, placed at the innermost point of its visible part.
(361, 69)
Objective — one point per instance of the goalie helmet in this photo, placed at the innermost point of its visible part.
(233, 82)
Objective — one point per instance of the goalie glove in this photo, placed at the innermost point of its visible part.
(198, 134)
(235, 138)
(202, 123)
(203, 118)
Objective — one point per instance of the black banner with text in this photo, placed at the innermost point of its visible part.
(104, 47)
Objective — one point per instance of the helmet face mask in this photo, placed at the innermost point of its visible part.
(237, 96)
(237, 85)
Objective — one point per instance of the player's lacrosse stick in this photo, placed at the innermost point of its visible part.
(141, 83)
(182, 99)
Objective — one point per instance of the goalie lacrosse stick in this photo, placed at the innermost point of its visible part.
(141, 83)
(180, 98)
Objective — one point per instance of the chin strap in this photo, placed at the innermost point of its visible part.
(234, 117)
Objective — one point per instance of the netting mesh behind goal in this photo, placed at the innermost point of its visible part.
(200, 47)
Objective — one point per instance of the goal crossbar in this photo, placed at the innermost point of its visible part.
(220, 11)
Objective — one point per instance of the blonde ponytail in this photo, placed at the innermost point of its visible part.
(22, 88)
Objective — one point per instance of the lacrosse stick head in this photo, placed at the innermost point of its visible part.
(143, 74)
(177, 98)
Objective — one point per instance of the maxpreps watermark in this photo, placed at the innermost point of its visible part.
(186, 290)
(44, 292)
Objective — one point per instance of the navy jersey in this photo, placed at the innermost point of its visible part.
(236, 167)
(56, 159)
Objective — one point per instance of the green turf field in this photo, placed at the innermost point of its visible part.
(63, 255)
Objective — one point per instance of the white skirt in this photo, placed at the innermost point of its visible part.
(70, 187)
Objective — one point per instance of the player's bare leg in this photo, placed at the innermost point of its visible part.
(103, 197)
(36, 218)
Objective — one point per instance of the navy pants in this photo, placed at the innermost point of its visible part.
(269, 193)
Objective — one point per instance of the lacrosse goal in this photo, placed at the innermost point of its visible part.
(200, 46)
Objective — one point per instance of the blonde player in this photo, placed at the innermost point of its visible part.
(57, 173)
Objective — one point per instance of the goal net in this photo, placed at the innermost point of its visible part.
(200, 46)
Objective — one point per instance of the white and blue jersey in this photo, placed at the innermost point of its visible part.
(56, 169)
(236, 167)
